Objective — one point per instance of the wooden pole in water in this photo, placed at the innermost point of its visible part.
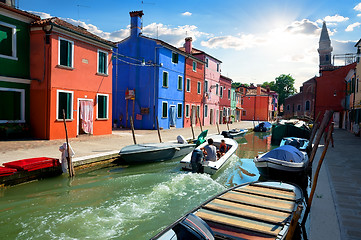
(326, 118)
(218, 128)
(200, 123)
(160, 139)
(227, 125)
(313, 133)
(315, 178)
(192, 127)
(294, 221)
(68, 158)
(132, 126)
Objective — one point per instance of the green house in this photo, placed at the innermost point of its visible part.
(14, 63)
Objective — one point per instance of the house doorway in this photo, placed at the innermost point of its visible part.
(194, 115)
(211, 116)
(85, 116)
(172, 116)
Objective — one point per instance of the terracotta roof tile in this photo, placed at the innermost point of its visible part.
(70, 27)
(15, 10)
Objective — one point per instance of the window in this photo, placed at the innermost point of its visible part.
(174, 57)
(229, 94)
(179, 112)
(217, 89)
(221, 92)
(102, 106)
(241, 101)
(198, 109)
(199, 87)
(188, 86)
(298, 107)
(205, 86)
(288, 107)
(205, 110)
(217, 67)
(194, 66)
(206, 62)
(165, 79)
(244, 113)
(66, 51)
(187, 110)
(65, 101)
(12, 105)
(102, 62)
(307, 106)
(164, 109)
(7, 41)
(180, 82)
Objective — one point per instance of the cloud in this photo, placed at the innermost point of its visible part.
(351, 27)
(304, 26)
(359, 15)
(336, 18)
(42, 15)
(187, 14)
(357, 7)
(239, 43)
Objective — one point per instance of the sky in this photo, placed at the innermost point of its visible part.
(256, 40)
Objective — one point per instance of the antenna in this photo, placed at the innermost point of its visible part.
(79, 7)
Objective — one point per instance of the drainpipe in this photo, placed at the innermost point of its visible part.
(155, 90)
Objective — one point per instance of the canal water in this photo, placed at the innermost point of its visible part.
(119, 202)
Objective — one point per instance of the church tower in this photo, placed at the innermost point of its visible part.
(324, 49)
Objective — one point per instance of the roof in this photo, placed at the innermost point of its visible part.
(253, 91)
(358, 42)
(324, 33)
(70, 27)
(190, 55)
(197, 51)
(226, 78)
(18, 11)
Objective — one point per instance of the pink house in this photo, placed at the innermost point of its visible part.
(211, 88)
(225, 99)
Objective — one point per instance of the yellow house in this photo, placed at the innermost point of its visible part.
(357, 103)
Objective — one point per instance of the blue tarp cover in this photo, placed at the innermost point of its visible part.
(285, 153)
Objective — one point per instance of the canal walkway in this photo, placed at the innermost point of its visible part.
(336, 208)
(96, 148)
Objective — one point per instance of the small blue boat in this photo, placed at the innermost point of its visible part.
(299, 143)
(234, 133)
(263, 127)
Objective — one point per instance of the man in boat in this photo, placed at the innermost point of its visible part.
(222, 148)
(210, 151)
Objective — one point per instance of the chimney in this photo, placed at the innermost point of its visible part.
(135, 23)
(258, 89)
(188, 45)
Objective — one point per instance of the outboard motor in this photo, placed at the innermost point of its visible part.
(225, 134)
(181, 139)
(193, 228)
(196, 161)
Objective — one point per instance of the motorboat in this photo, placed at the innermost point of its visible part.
(211, 167)
(234, 133)
(289, 128)
(263, 127)
(299, 143)
(284, 161)
(257, 210)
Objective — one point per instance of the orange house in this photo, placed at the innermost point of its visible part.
(258, 104)
(72, 74)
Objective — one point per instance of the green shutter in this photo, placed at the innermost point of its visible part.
(180, 107)
(65, 102)
(165, 110)
(102, 107)
(165, 79)
(10, 105)
(6, 41)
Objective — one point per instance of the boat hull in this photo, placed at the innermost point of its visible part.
(157, 154)
(258, 210)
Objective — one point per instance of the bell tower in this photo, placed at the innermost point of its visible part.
(325, 48)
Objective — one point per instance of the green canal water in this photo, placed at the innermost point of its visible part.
(119, 202)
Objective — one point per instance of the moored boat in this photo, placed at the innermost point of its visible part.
(211, 167)
(299, 143)
(282, 162)
(234, 133)
(263, 127)
(289, 128)
(258, 210)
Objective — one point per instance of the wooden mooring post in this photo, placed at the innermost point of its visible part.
(317, 172)
(200, 123)
(227, 125)
(218, 128)
(192, 127)
(68, 158)
(132, 126)
(160, 139)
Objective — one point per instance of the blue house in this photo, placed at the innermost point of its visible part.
(148, 77)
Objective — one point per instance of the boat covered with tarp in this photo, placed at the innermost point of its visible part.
(282, 161)
(289, 128)
(263, 127)
(234, 133)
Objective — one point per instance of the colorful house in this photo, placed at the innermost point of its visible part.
(238, 102)
(71, 68)
(211, 86)
(193, 87)
(356, 106)
(233, 102)
(148, 80)
(225, 84)
(259, 104)
(14, 64)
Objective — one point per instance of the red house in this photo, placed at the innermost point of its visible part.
(72, 69)
(331, 92)
(259, 104)
(225, 99)
(193, 86)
